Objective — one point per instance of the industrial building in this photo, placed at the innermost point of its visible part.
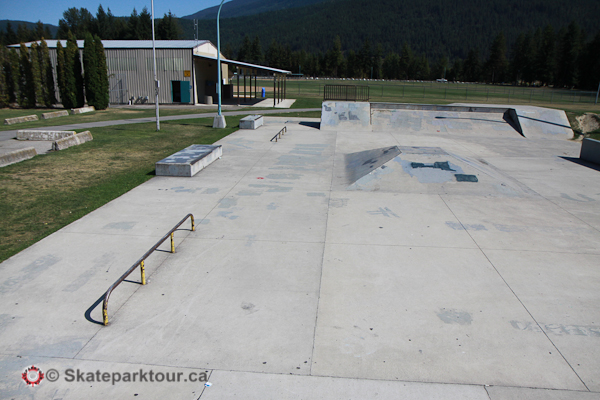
(186, 70)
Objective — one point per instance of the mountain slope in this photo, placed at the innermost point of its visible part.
(432, 27)
(239, 8)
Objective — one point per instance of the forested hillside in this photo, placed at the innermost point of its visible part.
(239, 8)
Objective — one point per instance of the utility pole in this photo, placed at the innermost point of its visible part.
(156, 81)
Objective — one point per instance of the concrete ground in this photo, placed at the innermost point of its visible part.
(312, 275)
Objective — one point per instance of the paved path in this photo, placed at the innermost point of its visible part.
(7, 135)
(307, 279)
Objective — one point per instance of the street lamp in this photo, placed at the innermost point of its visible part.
(219, 121)
(156, 82)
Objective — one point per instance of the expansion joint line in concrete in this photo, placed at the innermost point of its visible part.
(323, 254)
(516, 296)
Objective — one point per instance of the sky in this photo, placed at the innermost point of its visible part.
(50, 11)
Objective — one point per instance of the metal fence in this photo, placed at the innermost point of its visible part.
(346, 93)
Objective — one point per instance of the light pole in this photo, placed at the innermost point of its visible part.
(156, 82)
(219, 121)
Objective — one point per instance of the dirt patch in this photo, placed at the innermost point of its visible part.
(588, 122)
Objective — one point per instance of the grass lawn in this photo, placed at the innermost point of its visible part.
(41, 195)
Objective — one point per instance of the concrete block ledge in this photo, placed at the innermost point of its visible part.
(43, 135)
(17, 156)
(82, 110)
(55, 114)
(590, 150)
(18, 120)
(251, 122)
(189, 161)
(74, 140)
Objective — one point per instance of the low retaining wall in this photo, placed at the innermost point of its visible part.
(17, 156)
(345, 115)
(18, 120)
(55, 114)
(590, 150)
(70, 141)
(82, 110)
(43, 135)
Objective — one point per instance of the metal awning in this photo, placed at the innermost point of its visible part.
(246, 65)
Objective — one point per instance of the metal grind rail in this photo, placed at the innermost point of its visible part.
(278, 135)
(140, 262)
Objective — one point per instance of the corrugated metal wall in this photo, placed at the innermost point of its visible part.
(130, 73)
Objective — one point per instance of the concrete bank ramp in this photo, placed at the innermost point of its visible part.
(540, 122)
(430, 170)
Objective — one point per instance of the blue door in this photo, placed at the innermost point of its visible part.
(185, 91)
(180, 91)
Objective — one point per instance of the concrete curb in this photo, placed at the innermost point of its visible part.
(18, 120)
(82, 110)
(43, 135)
(590, 150)
(74, 140)
(17, 156)
(55, 114)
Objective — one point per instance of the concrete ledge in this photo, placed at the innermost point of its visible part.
(43, 135)
(17, 156)
(18, 120)
(74, 140)
(435, 107)
(82, 110)
(590, 150)
(189, 161)
(251, 122)
(55, 114)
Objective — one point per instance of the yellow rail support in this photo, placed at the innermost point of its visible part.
(141, 264)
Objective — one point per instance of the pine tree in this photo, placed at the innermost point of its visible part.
(48, 97)
(36, 77)
(168, 28)
(61, 75)
(102, 96)
(11, 36)
(90, 67)
(256, 54)
(3, 76)
(144, 28)
(497, 65)
(246, 50)
(545, 60)
(335, 57)
(570, 47)
(26, 97)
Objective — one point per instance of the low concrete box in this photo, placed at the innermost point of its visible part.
(590, 150)
(251, 122)
(189, 161)
(17, 156)
(70, 141)
(55, 114)
(18, 120)
(82, 110)
(43, 135)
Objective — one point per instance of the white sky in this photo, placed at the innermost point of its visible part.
(50, 11)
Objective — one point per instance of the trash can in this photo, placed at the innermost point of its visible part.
(264, 93)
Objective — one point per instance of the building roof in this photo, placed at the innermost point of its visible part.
(244, 64)
(130, 44)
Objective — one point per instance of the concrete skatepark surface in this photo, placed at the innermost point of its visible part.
(313, 276)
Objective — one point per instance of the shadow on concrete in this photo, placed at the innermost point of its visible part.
(583, 163)
(316, 125)
(507, 119)
(88, 312)
(545, 122)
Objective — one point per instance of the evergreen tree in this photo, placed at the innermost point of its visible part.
(245, 52)
(102, 23)
(90, 67)
(391, 66)
(352, 66)
(545, 60)
(497, 65)
(168, 28)
(61, 75)
(77, 21)
(27, 93)
(570, 47)
(144, 28)
(365, 59)
(406, 62)
(590, 64)
(11, 36)
(335, 57)
(13, 75)
(36, 76)
(102, 96)
(472, 67)
(3, 76)
(256, 54)
(24, 34)
(132, 25)
(48, 97)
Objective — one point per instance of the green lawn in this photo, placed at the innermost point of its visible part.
(41, 195)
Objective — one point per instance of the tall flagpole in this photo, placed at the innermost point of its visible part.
(156, 82)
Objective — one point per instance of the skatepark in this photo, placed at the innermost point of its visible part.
(414, 252)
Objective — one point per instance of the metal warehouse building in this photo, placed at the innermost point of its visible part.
(186, 70)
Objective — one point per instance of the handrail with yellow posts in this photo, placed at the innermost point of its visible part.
(140, 262)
